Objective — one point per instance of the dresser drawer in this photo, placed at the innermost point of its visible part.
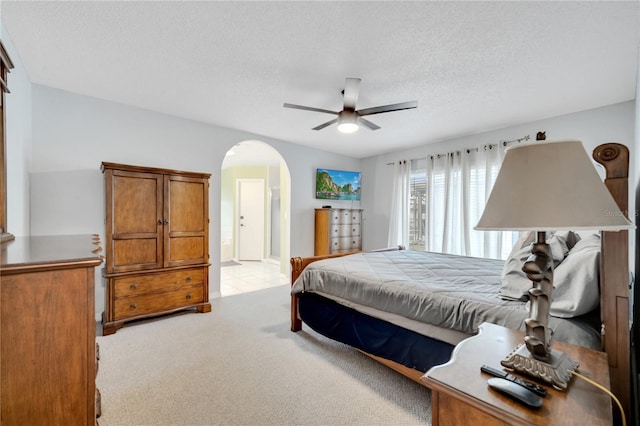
(356, 216)
(336, 218)
(344, 244)
(157, 302)
(134, 285)
(338, 231)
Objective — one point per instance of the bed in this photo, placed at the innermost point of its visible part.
(409, 309)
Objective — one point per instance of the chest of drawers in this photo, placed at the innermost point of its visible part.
(48, 359)
(337, 231)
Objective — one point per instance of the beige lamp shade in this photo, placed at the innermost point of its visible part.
(550, 186)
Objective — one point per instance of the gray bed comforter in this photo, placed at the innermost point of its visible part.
(448, 291)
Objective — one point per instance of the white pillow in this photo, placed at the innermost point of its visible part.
(576, 280)
(515, 284)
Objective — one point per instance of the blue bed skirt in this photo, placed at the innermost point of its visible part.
(371, 335)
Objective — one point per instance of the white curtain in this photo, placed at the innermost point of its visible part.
(458, 186)
(481, 170)
(399, 218)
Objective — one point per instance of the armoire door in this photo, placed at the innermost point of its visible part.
(134, 220)
(186, 214)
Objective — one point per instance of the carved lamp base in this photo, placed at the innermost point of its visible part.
(556, 372)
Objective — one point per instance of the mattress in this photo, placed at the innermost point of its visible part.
(431, 293)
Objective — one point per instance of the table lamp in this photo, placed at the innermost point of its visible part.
(547, 186)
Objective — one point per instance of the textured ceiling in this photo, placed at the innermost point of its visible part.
(472, 66)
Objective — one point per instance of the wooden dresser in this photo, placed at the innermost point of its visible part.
(337, 231)
(157, 242)
(48, 347)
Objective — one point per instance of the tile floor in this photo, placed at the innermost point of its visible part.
(250, 276)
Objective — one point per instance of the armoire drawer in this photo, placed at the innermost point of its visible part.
(134, 285)
(157, 302)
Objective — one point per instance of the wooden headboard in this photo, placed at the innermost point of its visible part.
(614, 275)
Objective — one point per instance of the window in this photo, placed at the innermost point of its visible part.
(448, 193)
(417, 204)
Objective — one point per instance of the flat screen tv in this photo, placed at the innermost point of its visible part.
(337, 185)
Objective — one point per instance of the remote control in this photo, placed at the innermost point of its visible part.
(533, 387)
(516, 392)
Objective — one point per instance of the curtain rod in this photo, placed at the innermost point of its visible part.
(524, 138)
(539, 136)
(467, 150)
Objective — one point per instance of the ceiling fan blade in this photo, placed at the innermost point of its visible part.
(368, 124)
(306, 108)
(351, 90)
(328, 123)
(388, 108)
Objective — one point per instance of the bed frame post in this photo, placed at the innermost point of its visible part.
(296, 270)
(614, 275)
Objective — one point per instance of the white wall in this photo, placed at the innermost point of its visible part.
(614, 123)
(73, 134)
(17, 142)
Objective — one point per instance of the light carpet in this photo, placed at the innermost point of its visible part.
(240, 365)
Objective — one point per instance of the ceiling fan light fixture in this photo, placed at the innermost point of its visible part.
(347, 127)
(350, 119)
(348, 122)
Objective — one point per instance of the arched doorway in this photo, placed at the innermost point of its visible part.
(254, 219)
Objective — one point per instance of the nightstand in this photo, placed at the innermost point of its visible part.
(460, 394)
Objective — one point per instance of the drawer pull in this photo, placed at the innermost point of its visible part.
(188, 279)
(133, 286)
(133, 306)
(188, 296)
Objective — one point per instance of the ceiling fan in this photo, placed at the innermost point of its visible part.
(349, 118)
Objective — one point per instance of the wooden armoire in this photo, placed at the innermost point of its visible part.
(157, 242)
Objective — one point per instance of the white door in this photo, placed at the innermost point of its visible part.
(250, 219)
(274, 251)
